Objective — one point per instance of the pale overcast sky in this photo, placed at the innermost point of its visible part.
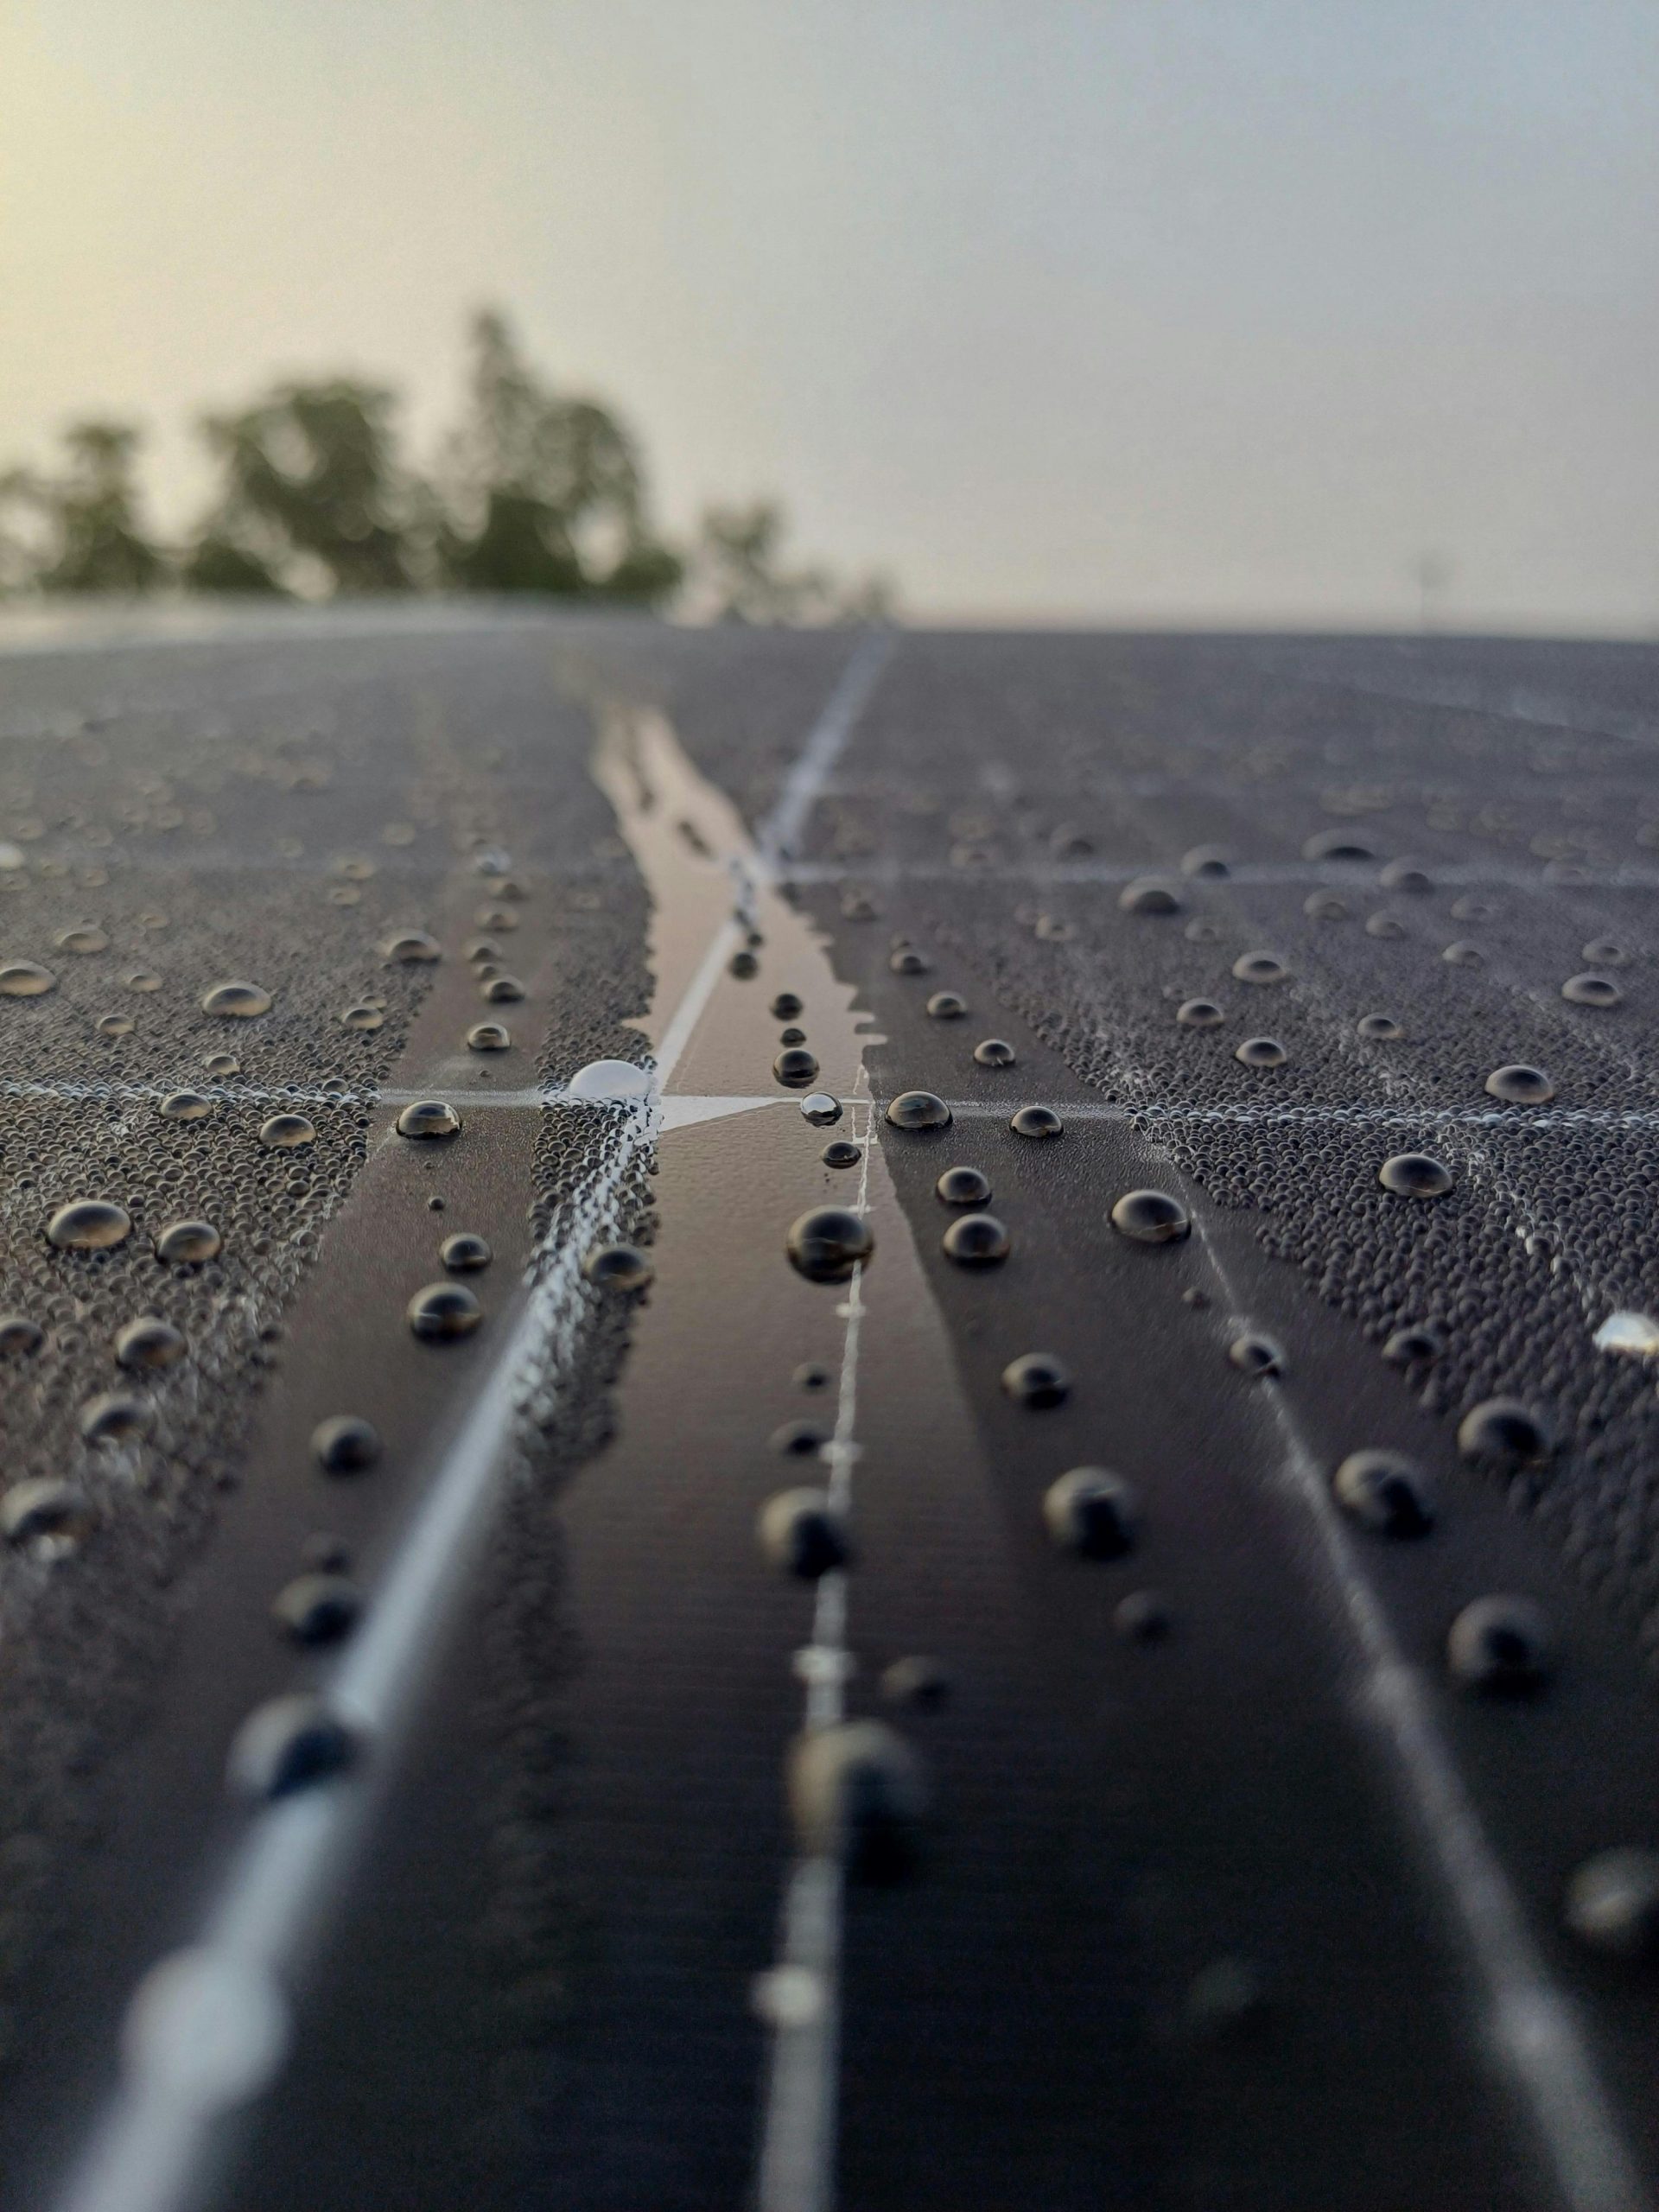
(1114, 309)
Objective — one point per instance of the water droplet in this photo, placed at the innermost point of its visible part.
(1414, 1175)
(287, 1743)
(617, 1267)
(802, 1535)
(1473, 910)
(1592, 990)
(89, 1226)
(1200, 1013)
(826, 1244)
(239, 1001)
(840, 1152)
(612, 1081)
(1412, 1346)
(798, 1440)
(429, 1117)
(1037, 1121)
(1254, 1354)
(114, 1418)
(442, 1311)
(993, 1052)
(18, 1334)
(821, 1108)
(964, 1186)
(1260, 968)
(1338, 845)
(488, 1037)
(1037, 1379)
(144, 979)
(222, 1064)
(287, 1132)
(918, 1109)
(464, 1254)
(977, 1240)
(786, 1006)
(116, 1025)
(1093, 1512)
(185, 1106)
(412, 946)
(1261, 1053)
(1149, 896)
(1405, 875)
(1500, 1646)
(1203, 932)
(1142, 1618)
(1464, 954)
(947, 1006)
(1637, 1335)
(345, 1443)
(318, 1608)
(1209, 860)
(1613, 1904)
(1504, 1433)
(857, 1793)
(1603, 952)
(362, 1017)
(1380, 1028)
(24, 979)
(795, 1067)
(1523, 1086)
(503, 990)
(792, 1035)
(1325, 906)
(149, 1342)
(1386, 1491)
(45, 1514)
(743, 965)
(84, 938)
(1150, 1218)
(917, 1682)
(1384, 926)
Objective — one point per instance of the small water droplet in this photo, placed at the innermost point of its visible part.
(1500, 1646)
(1379, 1028)
(1504, 1433)
(1260, 968)
(429, 1117)
(1413, 1346)
(236, 1001)
(1150, 1218)
(503, 990)
(84, 938)
(318, 1608)
(410, 947)
(821, 1108)
(47, 1515)
(1337, 845)
(840, 1152)
(947, 1006)
(918, 1109)
(908, 961)
(993, 1052)
(222, 1064)
(1148, 896)
(185, 1106)
(1592, 990)
(362, 1017)
(617, 1267)
(792, 1035)
(488, 1037)
(1386, 1491)
(1414, 1175)
(1254, 1354)
(1261, 1053)
(1603, 952)
(1037, 1379)
(795, 1067)
(802, 1535)
(1093, 1512)
(287, 1743)
(464, 1254)
(1522, 1086)
(89, 1226)
(1464, 954)
(187, 1242)
(18, 1335)
(964, 1186)
(149, 1342)
(1037, 1121)
(116, 1025)
(345, 1443)
(25, 979)
(1200, 1013)
(826, 1244)
(287, 1132)
(1473, 909)
(114, 1418)
(144, 979)
(786, 1006)
(977, 1240)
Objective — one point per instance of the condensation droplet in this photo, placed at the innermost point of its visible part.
(947, 1006)
(1261, 1053)
(993, 1052)
(464, 1252)
(1260, 968)
(1504, 1433)
(977, 1240)
(1093, 1513)
(1500, 1646)
(1521, 1086)
(1592, 990)
(795, 1067)
(236, 1001)
(287, 1132)
(90, 1225)
(429, 1118)
(1254, 1354)
(25, 979)
(1414, 1175)
(918, 1109)
(1037, 1121)
(489, 1037)
(1379, 1028)
(442, 1311)
(1037, 1379)
(1200, 1013)
(149, 1342)
(188, 1242)
(826, 1244)
(185, 1106)
(617, 1267)
(1386, 1491)
(116, 1025)
(1150, 1218)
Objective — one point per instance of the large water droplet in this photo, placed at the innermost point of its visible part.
(617, 1267)
(1406, 876)
(465, 1253)
(1149, 896)
(116, 1025)
(185, 1243)
(908, 961)
(857, 1794)
(1522, 1086)
(149, 1342)
(444, 1310)
(429, 1117)
(993, 1052)
(1200, 1013)
(1414, 1175)
(238, 1002)
(345, 1443)
(1253, 1354)
(795, 1067)
(503, 990)
(365, 1018)
(287, 1132)
(1386, 1491)
(185, 1106)
(1037, 1121)
(826, 1244)
(222, 1064)
(1037, 1379)
(1504, 1433)
(786, 1006)
(1464, 954)
(964, 1186)
(287, 1743)
(947, 1006)
(1500, 1646)
(1261, 1053)
(1379, 1028)
(1605, 952)
(802, 1535)
(89, 1226)
(978, 1240)
(1592, 990)
(115, 1418)
(841, 1152)
(613, 1081)
(19, 1335)
(1338, 845)
(1093, 1512)
(84, 938)
(1412, 1346)
(1213, 861)
(46, 1514)
(1150, 1218)
(411, 947)
(490, 1036)
(318, 1608)
(1260, 968)
(24, 979)
(821, 1108)
(1325, 906)
(918, 1109)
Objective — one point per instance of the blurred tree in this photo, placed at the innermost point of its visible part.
(314, 494)
(548, 493)
(82, 531)
(740, 575)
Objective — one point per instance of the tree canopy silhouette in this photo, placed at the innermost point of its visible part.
(536, 491)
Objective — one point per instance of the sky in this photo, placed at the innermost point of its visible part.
(1171, 311)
